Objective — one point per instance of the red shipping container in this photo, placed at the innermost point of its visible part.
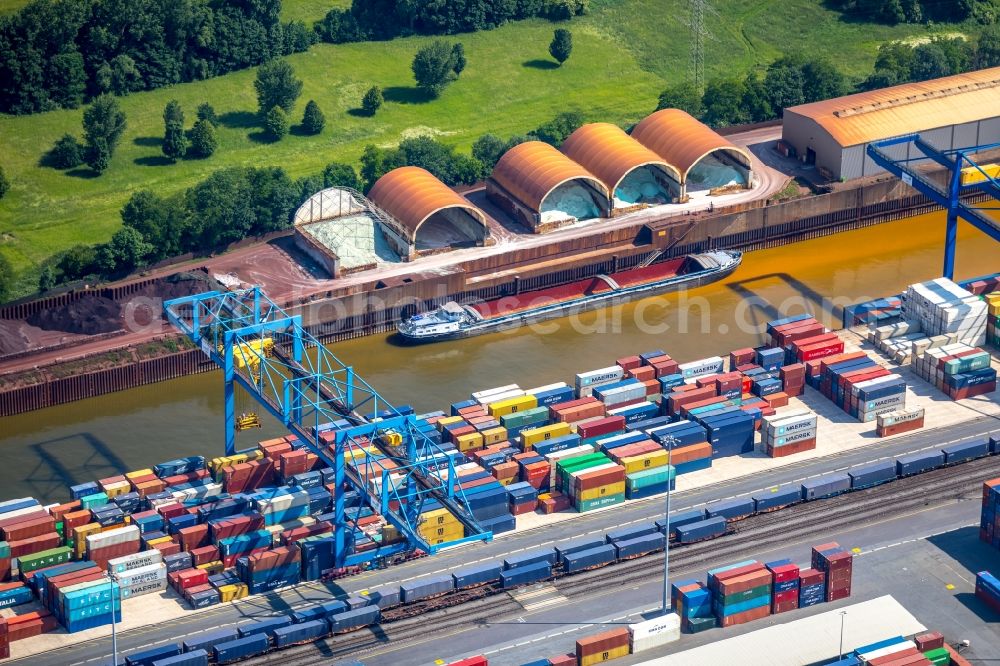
(273, 558)
(171, 510)
(746, 616)
(192, 537)
(59, 512)
(526, 507)
(289, 537)
(811, 577)
(683, 454)
(557, 502)
(188, 578)
(744, 582)
(784, 606)
(739, 357)
(34, 544)
(28, 528)
(555, 410)
(643, 374)
(775, 400)
(932, 640)
(204, 554)
(786, 596)
(820, 351)
(605, 426)
(785, 572)
(677, 400)
(591, 480)
(221, 529)
(894, 657)
(563, 660)
(35, 513)
(629, 362)
(178, 479)
(664, 365)
(150, 487)
(790, 449)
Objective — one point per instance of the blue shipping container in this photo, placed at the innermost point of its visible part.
(241, 648)
(192, 658)
(148, 656)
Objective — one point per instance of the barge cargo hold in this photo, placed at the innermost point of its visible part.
(452, 320)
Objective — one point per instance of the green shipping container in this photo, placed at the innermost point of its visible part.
(45, 558)
(599, 502)
(565, 468)
(4, 549)
(746, 595)
(698, 624)
(938, 656)
(650, 477)
(60, 526)
(93, 501)
(528, 417)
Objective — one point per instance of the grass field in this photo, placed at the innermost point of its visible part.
(624, 53)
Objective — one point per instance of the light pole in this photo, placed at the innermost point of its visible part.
(666, 544)
(114, 632)
(843, 614)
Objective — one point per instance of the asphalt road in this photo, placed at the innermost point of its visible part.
(186, 625)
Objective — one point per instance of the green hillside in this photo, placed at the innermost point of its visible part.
(625, 52)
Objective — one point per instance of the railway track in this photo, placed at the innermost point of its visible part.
(814, 520)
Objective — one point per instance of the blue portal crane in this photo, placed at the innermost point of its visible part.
(320, 400)
(957, 161)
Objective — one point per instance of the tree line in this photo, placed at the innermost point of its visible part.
(793, 80)
(915, 11)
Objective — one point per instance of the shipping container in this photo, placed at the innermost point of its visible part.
(304, 632)
(776, 497)
(210, 639)
(964, 451)
(149, 655)
(479, 574)
(827, 485)
(916, 463)
(590, 558)
(428, 586)
(703, 529)
(523, 575)
(733, 509)
(354, 619)
(873, 474)
(188, 658)
(240, 649)
(263, 626)
(639, 546)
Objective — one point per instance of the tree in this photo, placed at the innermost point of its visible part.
(555, 131)
(173, 113)
(784, 83)
(174, 141)
(723, 101)
(202, 139)
(77, 262)
(4, 183)
(433, 67)
(755, 99)
(6, 278)
(372, 101)
(67, 153)
(337, 174)
(276, 85)
(313, 119)
(821, 80)
(68, 79)
(156, 221)
(373, 165)
(124, 252)
(458, 58)
(683, 96)
(930, 62)
(988, 49)
(276, 123)
(207, 112)
(488, 149)
(103, 125)
(561, 45)
(46, 278)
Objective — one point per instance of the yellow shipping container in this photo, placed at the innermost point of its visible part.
(437, 517)
(80, 535)
(153, 542)
(113, 526)
(601, 657)
(469, 442)
(645, 461)
(448, 420)
(390, 534)
(116, 489)
(601, 491)
(494, 435)
(512, 405)
(450, 532)
(138, 472)
(972, 175)
(532, 436)
(212, 567)
(233, 592)
(993, 303)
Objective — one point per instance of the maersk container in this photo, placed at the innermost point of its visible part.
(532, 557)
(209, 640)
(148, 656)
(192, 658)
(865, 476)
(634, 532)
(265, 626)
(428, 586)
(479, 574)
(355, 619)
(300, 633)
(240, 649)
(703, 529)
(963, 451)
(640, 546)
(827, 485)
(531, 573)
(916, 463)
(592, 557)
(773, 498)
(565, 550)
(730, 509)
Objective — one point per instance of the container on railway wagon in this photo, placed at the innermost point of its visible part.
(873, 474)
(319, 611)
(476, 575)
(265, 626)
(241, 648)
(354, 619)
(995, 442)
(532, 557)
(384, 597)
(640, 546)
(681, 518)
(428, 586)
(775, 498)
(590, 558)
(916, 463)
(208, 641)
(564, 550)
(148, 656)
(730, 509)
(825, 486)
(300, 633)
(194, 658)
(964, 451)
(531, 573)
(634, 532)
(703, 529)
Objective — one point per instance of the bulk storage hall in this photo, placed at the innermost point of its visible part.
(949, 113)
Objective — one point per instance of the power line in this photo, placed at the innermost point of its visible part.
(698, 44)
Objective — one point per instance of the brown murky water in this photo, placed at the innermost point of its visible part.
(47, 450)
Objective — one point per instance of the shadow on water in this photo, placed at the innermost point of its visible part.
(761, 313)
(71, 460)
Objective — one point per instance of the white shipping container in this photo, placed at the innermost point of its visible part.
(706, 366)
(493, 391)
(889, 649)
(135, 561)
(900, 416)
(592, 378)
(142, 575)
(774, 425)
(21, 512)
(139, 589)
(547, 387)
(113, 537)
(654, 633)
(790, 438)
(556, 456)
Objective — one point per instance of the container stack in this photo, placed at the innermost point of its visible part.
(989, 516)
(941, 307)
(803, 339)
(692, 601)
(988, 590)
(88, 605)
(271, 569)
(812, 587)
(112, 544)
(789, 433)
(523, 498)
(959, 370)
(993, 318)
(687, 442)
(602, 647)
(838, 565)
(785, 595)
(592, 481)
(741, 594)
(860, 386)
(899, 421)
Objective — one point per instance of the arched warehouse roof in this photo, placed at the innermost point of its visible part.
(683, 141)
(412, 195)
(611, 154)
(531, 171)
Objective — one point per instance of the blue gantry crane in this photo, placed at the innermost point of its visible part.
(307, 388)
(965, 176)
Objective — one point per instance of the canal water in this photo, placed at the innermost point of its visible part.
(46, 450)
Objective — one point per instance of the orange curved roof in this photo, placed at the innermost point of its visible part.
(680, 139)
(531, 170)
(610, 154)
(412, 194)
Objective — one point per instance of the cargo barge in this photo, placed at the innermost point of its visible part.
(453, 321)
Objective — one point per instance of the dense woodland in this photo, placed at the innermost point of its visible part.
(916, 11)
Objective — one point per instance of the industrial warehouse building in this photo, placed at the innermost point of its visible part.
(951, 112)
